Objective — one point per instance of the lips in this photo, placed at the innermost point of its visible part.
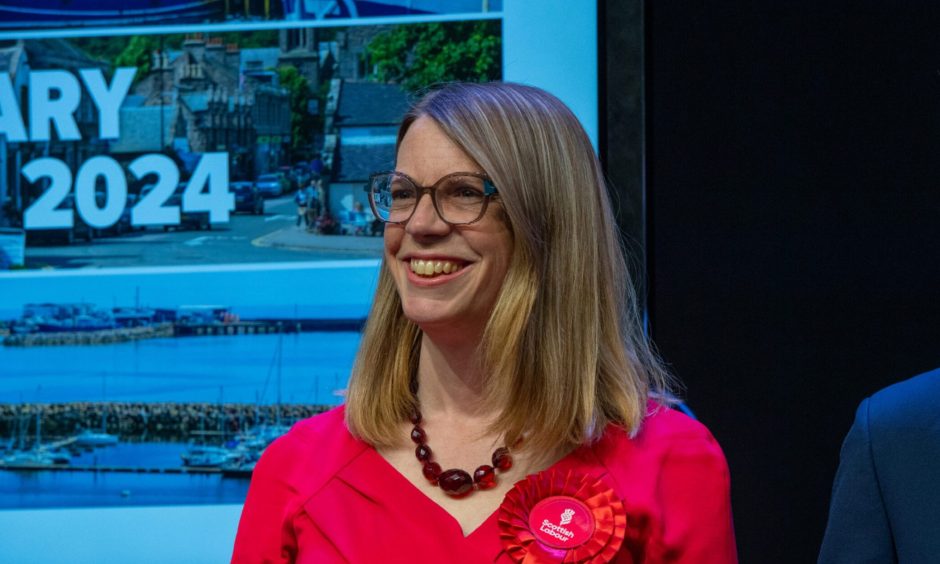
(430, 268)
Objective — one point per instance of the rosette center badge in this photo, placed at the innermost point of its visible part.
(561, 522)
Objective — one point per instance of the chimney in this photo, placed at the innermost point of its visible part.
(233, 57)
(195, 45)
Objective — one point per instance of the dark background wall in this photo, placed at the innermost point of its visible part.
(793, 190)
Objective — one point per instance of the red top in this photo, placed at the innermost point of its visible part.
(320, 495)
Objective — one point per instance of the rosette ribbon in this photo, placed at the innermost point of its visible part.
(557, 516)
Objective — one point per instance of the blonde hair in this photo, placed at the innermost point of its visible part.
(564, 353)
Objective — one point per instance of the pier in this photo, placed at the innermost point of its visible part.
(102, 337)
(180, 329)
(267, 326)
(132, 421)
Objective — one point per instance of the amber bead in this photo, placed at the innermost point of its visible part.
(423, 452)
(418, 435)
(502, 459)
(484, 477)
(431, 471)
(455, 482)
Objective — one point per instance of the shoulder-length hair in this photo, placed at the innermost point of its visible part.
(564, 354)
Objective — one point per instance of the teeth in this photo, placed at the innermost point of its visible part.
(433, 267)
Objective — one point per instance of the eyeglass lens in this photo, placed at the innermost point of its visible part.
(458, 198)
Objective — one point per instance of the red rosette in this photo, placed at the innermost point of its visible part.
(562, 517)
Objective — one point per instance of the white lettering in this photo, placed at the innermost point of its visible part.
(11, 122)
(44, 109)
(108, 100)
(555, 531)
(115, 191)
(552, 533)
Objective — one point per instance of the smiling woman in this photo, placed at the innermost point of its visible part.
(454, 305)
(505, 334)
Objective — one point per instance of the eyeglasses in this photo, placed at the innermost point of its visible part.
(460, 198)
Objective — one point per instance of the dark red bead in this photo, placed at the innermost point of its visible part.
(484, 477)
(455, 482)
(431, 471)
(415, 416)
(423, 452)
(417, 435)
(502, 459)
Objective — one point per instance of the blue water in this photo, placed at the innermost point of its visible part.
(60, 488)
(141, 455)
(20, 490)
(313, 367)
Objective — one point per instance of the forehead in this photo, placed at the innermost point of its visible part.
(426, 153)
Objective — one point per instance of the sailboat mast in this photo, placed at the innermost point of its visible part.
(221, 414)
(280, 361)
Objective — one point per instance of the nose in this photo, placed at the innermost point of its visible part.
(425, 220)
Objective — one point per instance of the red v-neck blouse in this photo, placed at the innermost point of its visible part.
(320, 495)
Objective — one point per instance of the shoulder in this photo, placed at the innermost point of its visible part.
(672, 475)
(906, 405)
(898, 429)
(667, 438)
(667, 424)
(312, 451)
(663, 428)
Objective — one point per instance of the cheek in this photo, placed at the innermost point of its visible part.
(392, 237)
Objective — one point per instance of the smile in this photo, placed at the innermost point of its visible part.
(431, 268)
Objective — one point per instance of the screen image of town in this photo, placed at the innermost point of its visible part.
(187, 254)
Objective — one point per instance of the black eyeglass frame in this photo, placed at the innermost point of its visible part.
(489, 190)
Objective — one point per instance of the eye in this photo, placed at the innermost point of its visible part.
(469, 192)
(463, 190)
(401, 190)
(402, 193)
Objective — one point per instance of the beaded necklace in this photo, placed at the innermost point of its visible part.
(456, 482)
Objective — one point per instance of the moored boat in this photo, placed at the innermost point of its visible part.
(88, 438)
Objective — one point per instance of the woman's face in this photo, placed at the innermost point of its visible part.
(459, 295)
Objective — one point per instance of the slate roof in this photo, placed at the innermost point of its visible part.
(9, 56)
(196, 102)
(139, 129)
(371, 103)
(56, 53)
(221, 74)
(356, 162)
(267, 55)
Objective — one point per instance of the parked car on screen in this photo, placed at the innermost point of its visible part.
(287, 174)
(65, 236)
(123, 224)
(188, 219)
(247, 197)
(270, 185)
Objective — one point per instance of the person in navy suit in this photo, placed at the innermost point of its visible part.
(886, 497)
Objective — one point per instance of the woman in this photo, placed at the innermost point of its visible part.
(503, 341)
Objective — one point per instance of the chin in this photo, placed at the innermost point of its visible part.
(436, 318)
(427, 312)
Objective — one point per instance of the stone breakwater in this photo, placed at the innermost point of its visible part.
(174, 422)
(102, 337)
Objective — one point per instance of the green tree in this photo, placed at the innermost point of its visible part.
(302, 121)
(138, 54)
(420, 55)
(251, 39)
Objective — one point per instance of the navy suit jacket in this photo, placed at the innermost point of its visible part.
(886, 496)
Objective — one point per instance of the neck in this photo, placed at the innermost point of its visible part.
(450, 378)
